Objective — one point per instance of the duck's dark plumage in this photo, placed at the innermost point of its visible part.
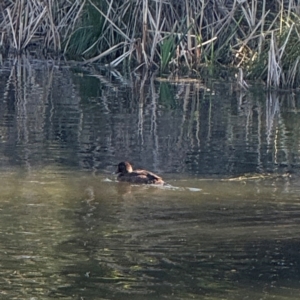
(126, 173)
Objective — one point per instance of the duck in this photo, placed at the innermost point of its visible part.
(127, 174)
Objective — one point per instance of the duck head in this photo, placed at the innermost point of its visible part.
(124, 167)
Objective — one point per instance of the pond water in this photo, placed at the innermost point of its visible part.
(226, 226)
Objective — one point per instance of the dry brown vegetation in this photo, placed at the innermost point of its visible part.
(261, 38)
(44, 24)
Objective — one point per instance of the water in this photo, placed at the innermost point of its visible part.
(227, 228)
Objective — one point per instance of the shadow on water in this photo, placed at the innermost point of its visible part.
(228, 229)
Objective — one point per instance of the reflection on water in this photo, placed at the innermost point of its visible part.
(49, 114)
(69, 231)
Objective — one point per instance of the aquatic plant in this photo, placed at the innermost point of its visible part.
(258, 37)
(278, 65)
(42, 24)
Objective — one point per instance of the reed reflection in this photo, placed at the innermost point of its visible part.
(178, 126)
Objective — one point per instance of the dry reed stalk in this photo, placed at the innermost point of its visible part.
(32, 21)
(68, 17)
(250, 14)
(252, 35)
(68, 36)
(157, 31)
(274, 69)
(282, 48)
(212, 31)
(111, 22)
(201, 18)
(292, 72)
(263, 17)
(121, 58)
(145, 32)
(188, 25)
(12, 28)
(240, 80)
(31, 30)
(105, 53)
(281, 16)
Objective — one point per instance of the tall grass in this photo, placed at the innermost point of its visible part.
(44, 24)
(258, 37)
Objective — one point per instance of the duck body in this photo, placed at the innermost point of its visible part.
(127, 174)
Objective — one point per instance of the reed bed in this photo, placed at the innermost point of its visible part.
(258, 39)
(37, 24)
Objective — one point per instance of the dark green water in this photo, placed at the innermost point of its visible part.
(228, 228)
